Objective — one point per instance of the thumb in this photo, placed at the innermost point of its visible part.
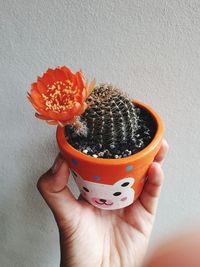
(152, 188)
(52, 185)
(150, 195)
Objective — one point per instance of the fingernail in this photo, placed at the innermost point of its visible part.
(57, 163)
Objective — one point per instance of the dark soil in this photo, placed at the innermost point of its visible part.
(143, 136)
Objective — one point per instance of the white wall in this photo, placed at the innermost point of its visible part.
(150, 48)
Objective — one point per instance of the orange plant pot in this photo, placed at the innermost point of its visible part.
(111, 183)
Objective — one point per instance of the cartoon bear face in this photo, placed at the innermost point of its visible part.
(103, 196)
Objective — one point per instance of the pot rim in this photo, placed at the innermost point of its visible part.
(68, 149)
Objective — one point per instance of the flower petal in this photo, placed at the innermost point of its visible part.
(41, 87)
(37, 99)
(41, 117)
(90, 88)
(80, 81)
(46, 79)
(68, 72)
(52, 74)
(52, 122)
(60, 75)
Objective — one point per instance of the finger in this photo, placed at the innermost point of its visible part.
(53, 187)
(150, 194)
(162, 152)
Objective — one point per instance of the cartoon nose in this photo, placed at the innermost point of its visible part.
(102, 200)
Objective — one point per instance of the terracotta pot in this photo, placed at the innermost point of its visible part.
(111, 183)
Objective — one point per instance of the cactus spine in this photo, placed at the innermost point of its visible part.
(112, 118)
(112, 125)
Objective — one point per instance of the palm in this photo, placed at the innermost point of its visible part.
(95, 237)
(107, 238)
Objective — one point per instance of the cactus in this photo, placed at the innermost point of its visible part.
(112, 126)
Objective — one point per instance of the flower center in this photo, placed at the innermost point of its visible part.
(61, 96)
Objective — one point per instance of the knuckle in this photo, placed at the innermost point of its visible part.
(166, 144)
(42, 184)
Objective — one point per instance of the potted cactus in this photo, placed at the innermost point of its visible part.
(107, 139)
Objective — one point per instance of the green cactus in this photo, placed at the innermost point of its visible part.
(111, 126)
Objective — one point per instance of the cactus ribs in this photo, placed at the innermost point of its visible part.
(112, 126)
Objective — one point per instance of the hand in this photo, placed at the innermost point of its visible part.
(93, 237)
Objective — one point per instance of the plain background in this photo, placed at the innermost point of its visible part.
(149, 48)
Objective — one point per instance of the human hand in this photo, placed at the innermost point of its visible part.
(93, 237)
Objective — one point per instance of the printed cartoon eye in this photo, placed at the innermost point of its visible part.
(117, 194)
(74, 174)
(125, 184)
(85, 189)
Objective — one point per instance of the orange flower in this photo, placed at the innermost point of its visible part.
(59, 95)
